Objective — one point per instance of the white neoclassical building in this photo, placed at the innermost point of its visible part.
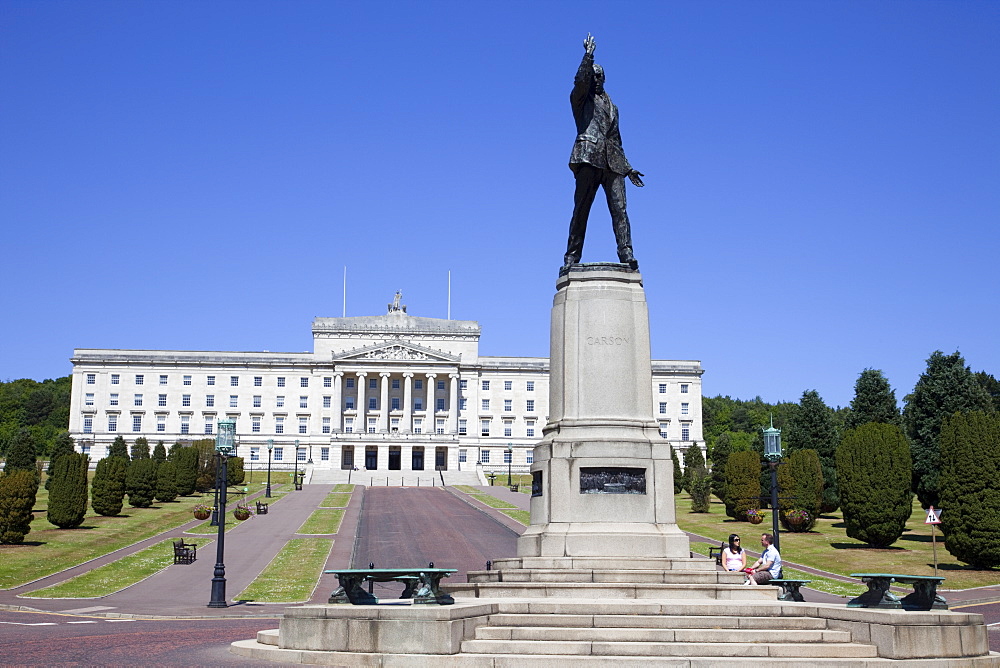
(390, 392)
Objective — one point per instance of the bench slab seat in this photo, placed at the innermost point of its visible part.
(423, 585)
(923, 597)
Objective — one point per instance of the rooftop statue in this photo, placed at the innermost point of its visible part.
(395, 305)
(598, 159)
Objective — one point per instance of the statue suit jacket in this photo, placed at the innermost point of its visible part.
(598, 142)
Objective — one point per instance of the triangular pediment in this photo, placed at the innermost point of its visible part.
(396, 350)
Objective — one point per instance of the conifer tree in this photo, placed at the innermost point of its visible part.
(678, 474)
(160, 453)
(947, 386)
(970, 487)
(166, 482)
(63, 445)
(140, 449)
(874, 469)
(235, 475)
(68, 492)
(874, 401)
(186, 460)
(119, 449)
(107, 494)
(21, 453)
(140, 483)
(719, 455)
(742, 483)
(17, 499)
(693, 460)
(811, 428)
(800, 486)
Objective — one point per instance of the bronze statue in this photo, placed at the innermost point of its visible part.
(598, 159)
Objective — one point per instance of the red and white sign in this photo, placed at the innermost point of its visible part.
(933, 516)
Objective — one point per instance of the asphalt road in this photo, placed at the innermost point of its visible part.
(48, 639)
(991, 613)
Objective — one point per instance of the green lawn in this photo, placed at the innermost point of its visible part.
(827, 546)
(292, 575)
(343, 489)
(322, 521)
(48, 549)
(335, 500)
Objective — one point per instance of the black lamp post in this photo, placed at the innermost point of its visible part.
(772, 454)
(510, 460)
(270, 447)
(295, 480)
(223, 448)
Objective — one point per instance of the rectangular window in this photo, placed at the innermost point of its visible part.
(685, 408)
(486, 404)
(210, 380)
(349, 404)
(508, 428)
(187, 380)
(256, 401)
(485, 427)
(279, 401)
(300, 454)
(529, 456)
(112, 423)
(485, 456)
(258, 381)
(139, 378)
(663, 388)
(327, 381)
(88, 400)
(186, 399)
(255, 424)
(327, 401)
(115, 378)
(208, 425)
(349, 382)
(88, 424)
(326, 425)
(303, 425)
(395, 403)
(439, 404)
(279, 425)
(163, 379)
(234, 381)
(463, 427)
(684, 388)
(530, 386)
(508, 385)
(529, 428)
(303, 382)
(209, 400)
(372, 403)
(462, 403)
(508, 405)
(91, 378)
(529, 405)
(349, 425)
(185, 424)
(303, 402)
(395, 383)
(161, 423)
(371, 425)
(418, 425)
(373, 383)
(234, 400)
(663, 429)
(440, 426)
(440, 384)
(113, 400)
(685, 431)
(508, 457)
(281, 381)
(418, 404)
(255, 454)
(463, 456)
(663, 408)
(486, 385)
(161, 400)
(324, 454)
(138, 400)
(463, 384)
(279, 454)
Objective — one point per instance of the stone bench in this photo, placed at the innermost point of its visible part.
(923, 597)
(789, 588)
(423, 585)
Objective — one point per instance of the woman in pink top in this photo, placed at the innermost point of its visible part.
(733, 557)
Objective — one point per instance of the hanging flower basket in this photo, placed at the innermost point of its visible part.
(242, 513)
(755, 516)
(796, 520)
(202, 512)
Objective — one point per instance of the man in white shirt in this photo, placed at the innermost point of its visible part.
(768, 567)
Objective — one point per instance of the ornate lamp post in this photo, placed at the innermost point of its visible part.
(510, 459)
(224, 446)
(772, 455)
(270, 447)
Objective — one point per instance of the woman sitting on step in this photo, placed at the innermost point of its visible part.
(733, 557)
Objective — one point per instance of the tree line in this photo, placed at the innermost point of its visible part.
(868, 459)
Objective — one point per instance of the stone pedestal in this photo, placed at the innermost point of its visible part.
(603, 475)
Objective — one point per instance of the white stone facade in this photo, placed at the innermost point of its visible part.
(391, 392)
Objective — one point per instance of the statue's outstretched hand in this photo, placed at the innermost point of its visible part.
(589, 44)
(633, 176)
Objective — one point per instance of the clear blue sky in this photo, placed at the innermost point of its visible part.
(822, 178)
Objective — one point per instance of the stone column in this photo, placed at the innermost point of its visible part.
(429, 426)
(406, 458)
(383, 459)
(361, 420)
(383, 417)
(406, 425)
(337, 403)
(452, 404)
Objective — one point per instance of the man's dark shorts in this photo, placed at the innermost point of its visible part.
(762, 577)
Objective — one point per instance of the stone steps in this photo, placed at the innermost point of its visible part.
(668, 649)
(609, 590)
(634, 576)
(681, 621)
(647, 635)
